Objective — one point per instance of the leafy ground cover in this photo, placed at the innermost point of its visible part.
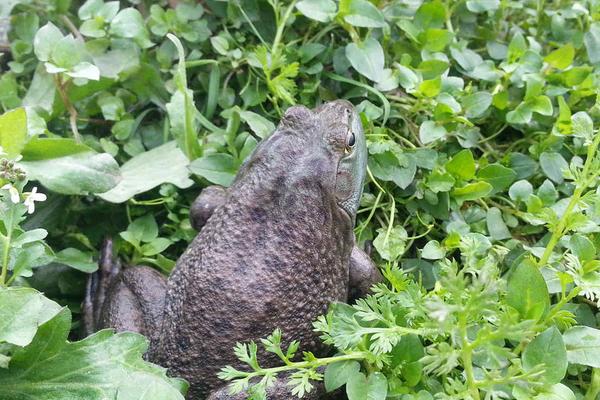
(482, 203)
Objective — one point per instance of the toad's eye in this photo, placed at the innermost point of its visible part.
(350, 140)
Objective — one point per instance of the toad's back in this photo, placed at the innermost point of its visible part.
(275, 254)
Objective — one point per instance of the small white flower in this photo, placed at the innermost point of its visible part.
(31, 197)
(14, 193)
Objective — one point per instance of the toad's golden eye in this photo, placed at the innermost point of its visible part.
(350, 140)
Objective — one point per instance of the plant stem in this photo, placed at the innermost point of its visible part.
(280, 29)
(594, 389)
(5, 253)
(586, 178)
(466, 356)
(358, 356)
(61, 87)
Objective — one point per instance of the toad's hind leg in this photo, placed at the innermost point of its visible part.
(131, 299)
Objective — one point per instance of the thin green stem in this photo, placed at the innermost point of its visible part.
(5, 253)
(466, 354)
(586, 178)
(281, 28)
(594, 389)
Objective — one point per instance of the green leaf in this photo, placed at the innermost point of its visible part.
(562, 57)
(398, 168)
(553, 165)
(319, 10)
(431, 14)
(582, 125)
(45, 40)
(583, 346)
(462, 165)
(155, 247)
(362, 13)
(76, 259)
(261, 126)
(339, 373)
(80, 173)
(433, 250)
(592, 42)
(497, 229)
(527, 291)
(547, 349)
(429, 132)
(216, 168)
(391, 245)
(563, 122)
(143, 229)
(128, 23)
(13, 132)
(516, 48)
(476, 104)
(359, 387)
(367, 58)
(103, 366)
(520, 190)
(520, 115)
(480, 6)
(48, 148)
(499, 176)
(22, 311)
(145, 171)
(582, 247)
(472, 191)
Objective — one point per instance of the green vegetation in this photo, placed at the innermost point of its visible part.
(481, 201)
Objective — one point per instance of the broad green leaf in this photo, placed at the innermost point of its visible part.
(163, 164)
(553, 165)
(216, 168)
(105, 365)
(367, 58)
(476, 104)
(472, 191)
(429, 132)
(520, 190)
(45, 40)
(319, 10)
(527, 291)
(433, 250)
(128, 23)
(359, 387)
(582, 125)
(497, 229)
(520, 115)
(498, 176)
(400, 169)
(77, 259)
(362, 13)
(22, 311)
(583, 346)
(261, 126)
(480, 6)
(13, 132)
(391, 245)
(582, 247)
(592, 43)
(337, 374)
(155, 246)
(41, 92)
(562, 57)
(47, 148)
(79, 173)
(462, 165)
(516, 48)
(431, 14)
(547, 349)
